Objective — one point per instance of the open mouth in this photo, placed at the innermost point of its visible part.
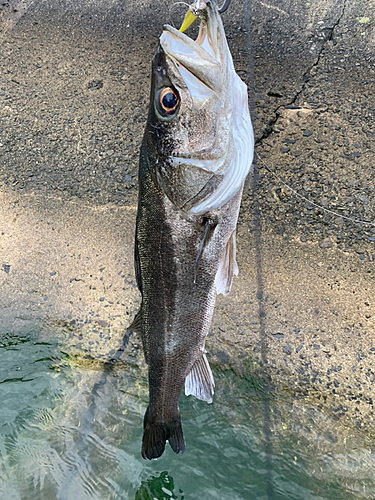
(198, 10)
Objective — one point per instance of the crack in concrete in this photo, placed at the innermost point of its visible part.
(306, 77)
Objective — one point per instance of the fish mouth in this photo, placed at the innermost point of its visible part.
(200, 59)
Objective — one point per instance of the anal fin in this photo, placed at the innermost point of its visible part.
(227, 268)
(200, 381)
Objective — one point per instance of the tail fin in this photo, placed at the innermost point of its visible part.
(155, 436)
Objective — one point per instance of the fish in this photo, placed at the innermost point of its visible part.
(196, 153)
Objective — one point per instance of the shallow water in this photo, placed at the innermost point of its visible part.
(71, 428)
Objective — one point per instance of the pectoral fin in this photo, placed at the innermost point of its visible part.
(227, 268)
(200, 381)
(209, 226)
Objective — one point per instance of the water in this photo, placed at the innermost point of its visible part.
(71, 428)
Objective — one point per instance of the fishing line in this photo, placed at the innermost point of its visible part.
(267, 416)
(224, 6)
(179, 3)
(311, 202)
(170, 11)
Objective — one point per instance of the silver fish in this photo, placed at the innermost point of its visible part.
(196, 153)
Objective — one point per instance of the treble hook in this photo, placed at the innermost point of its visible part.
(224, 7)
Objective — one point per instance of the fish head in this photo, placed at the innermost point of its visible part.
(195, 95)
(188, 102)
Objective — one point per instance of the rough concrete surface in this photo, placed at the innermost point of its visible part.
(74, 91)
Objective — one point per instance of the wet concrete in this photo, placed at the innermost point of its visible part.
(74, 92)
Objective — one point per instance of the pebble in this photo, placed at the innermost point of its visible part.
(287, 349)
(6, 268)
(307, 133)
(223, 357)
(326, 243)
(95, 85)
(303, 239)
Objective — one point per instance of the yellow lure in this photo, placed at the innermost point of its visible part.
(188, 20)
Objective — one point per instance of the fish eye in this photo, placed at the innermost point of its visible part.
(168, 101)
